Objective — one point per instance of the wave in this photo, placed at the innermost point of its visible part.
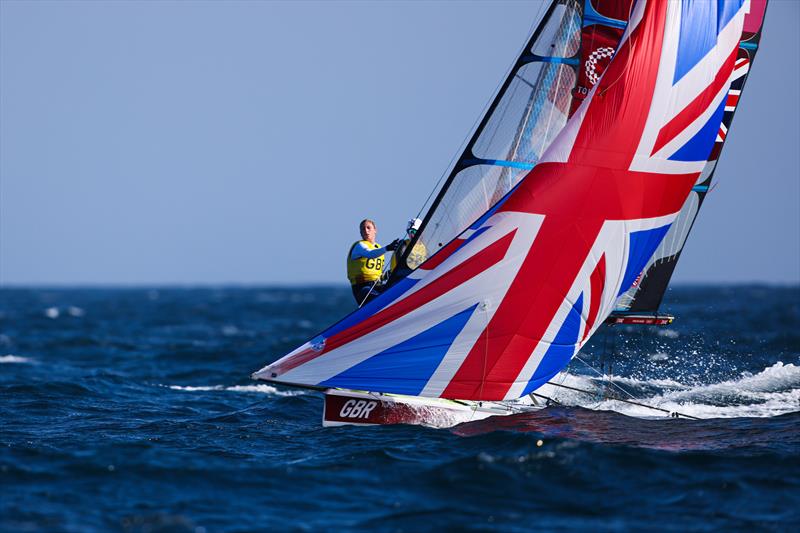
(55, 312)
(773, 391)
(15, 359)
(263, 389)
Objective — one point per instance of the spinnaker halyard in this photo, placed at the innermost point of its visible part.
(508, 299)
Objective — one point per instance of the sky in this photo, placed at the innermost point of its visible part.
(242, 142)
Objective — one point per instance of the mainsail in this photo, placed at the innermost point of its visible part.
(529, 110)
(562, 61)
(647, 292)
(503, 306)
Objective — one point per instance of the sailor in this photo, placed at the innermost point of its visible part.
(418, 253)
(365, 263)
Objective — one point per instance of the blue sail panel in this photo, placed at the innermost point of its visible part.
(561, 350)
(406, 367)
(699, 146)
(642, 245)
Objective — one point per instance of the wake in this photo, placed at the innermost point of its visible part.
(773, 391)
(262, 389)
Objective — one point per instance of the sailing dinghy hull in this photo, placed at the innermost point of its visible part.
(346, 407)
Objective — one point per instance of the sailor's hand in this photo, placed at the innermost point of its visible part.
(392, 246)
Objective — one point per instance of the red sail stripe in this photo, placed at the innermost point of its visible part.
(439, 257)
(612, 128)
(576, 201)
(467, 270)
(691, 112)
(597, 280)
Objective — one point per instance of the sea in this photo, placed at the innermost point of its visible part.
(132, 409)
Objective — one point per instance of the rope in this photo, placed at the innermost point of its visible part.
(563, 378)
(368, 293)
(485, 349)
(673, 414)
(604, 377)
(546, 398)
(480, 116)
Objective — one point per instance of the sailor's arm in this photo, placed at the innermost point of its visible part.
(361, 250)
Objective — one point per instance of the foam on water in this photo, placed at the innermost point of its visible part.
(15, 359)
(439, 418)
(263, 389)
(75, 311)
(91, 442)
(771, 392)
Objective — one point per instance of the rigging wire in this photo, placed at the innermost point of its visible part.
(563, 378)
(674, 414)
(604, 377)
(485, 348)
(630, 401)
(473, 128)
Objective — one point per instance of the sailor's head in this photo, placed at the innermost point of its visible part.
(413, 226)
(368, 230)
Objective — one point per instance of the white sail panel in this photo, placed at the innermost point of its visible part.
(473, 191)
(530, 114)
(561, 34)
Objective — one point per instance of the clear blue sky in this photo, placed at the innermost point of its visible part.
(241, 142)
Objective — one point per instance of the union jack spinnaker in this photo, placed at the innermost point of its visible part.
(530, 261)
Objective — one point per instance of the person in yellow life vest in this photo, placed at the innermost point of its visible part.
(365, 263)
(418, 254)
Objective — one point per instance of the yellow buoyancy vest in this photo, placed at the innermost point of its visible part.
(363, 270)
(417, 256)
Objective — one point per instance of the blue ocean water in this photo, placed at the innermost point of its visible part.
(132, 410)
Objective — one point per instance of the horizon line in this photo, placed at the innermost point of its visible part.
(312, 284)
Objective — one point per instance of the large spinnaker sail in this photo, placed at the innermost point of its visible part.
(647, 292)
(499, 310)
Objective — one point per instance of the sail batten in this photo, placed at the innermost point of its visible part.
(532, 58)
(499, 163)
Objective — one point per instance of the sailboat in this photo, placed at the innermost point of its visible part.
(567, 210)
